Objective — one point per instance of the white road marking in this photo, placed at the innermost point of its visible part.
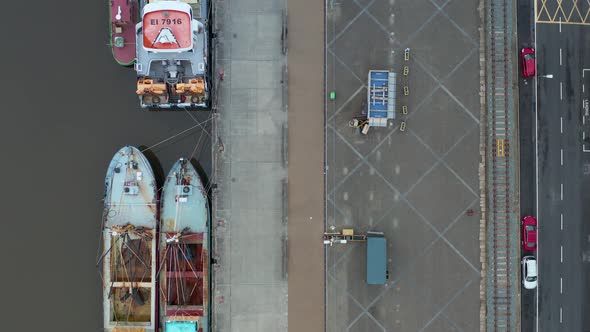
(562, 221)
(560, 91)
(560, 315)
(561, 254)
(562, 191)
(560, 63)
(561, 157)
(561, 124)
(560, 24)
(560, 285)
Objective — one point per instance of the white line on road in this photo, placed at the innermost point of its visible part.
(562, 191)
(561, 124)
(560, 91)
(560, 285)
(562, 221)
(561, 254)
(560, 315)
(560, 63)
(561, 157)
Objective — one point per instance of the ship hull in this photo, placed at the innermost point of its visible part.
(124, 14)
(129, 244)
(184, 269)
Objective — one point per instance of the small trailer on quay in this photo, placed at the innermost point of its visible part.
(377, 273)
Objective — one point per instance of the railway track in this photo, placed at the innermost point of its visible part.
(500, 107)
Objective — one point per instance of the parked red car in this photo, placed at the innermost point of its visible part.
(527, 56)
(529, 233)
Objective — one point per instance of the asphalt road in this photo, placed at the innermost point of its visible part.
(563, 182)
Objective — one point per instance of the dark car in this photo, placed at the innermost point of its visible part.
(529, 233)
(527, 56)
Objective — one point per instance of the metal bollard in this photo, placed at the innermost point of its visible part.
(406, 91)
(406, 70)
(405, 110)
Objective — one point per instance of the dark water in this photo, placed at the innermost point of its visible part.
(66, 108)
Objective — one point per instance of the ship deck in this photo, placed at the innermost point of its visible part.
(184, 210)
(137, 209)
(123, 28)
(185, 285)
(129, 242)
(184, 241)
(128, 280)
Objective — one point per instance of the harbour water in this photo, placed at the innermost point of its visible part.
(67, 108)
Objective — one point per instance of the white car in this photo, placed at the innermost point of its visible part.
(529, 272)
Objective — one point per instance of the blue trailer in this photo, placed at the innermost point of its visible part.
(380, 98)
(376, 258)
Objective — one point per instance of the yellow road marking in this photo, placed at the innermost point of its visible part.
(553, 12)
(500, 147)
(564, 23)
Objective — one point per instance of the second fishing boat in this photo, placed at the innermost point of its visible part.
(184, 252)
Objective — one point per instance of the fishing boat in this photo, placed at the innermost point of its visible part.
(183, 271)
(124, 14)
(129, 238)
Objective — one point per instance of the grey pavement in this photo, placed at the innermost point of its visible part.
(416, 186)
(249, 279)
